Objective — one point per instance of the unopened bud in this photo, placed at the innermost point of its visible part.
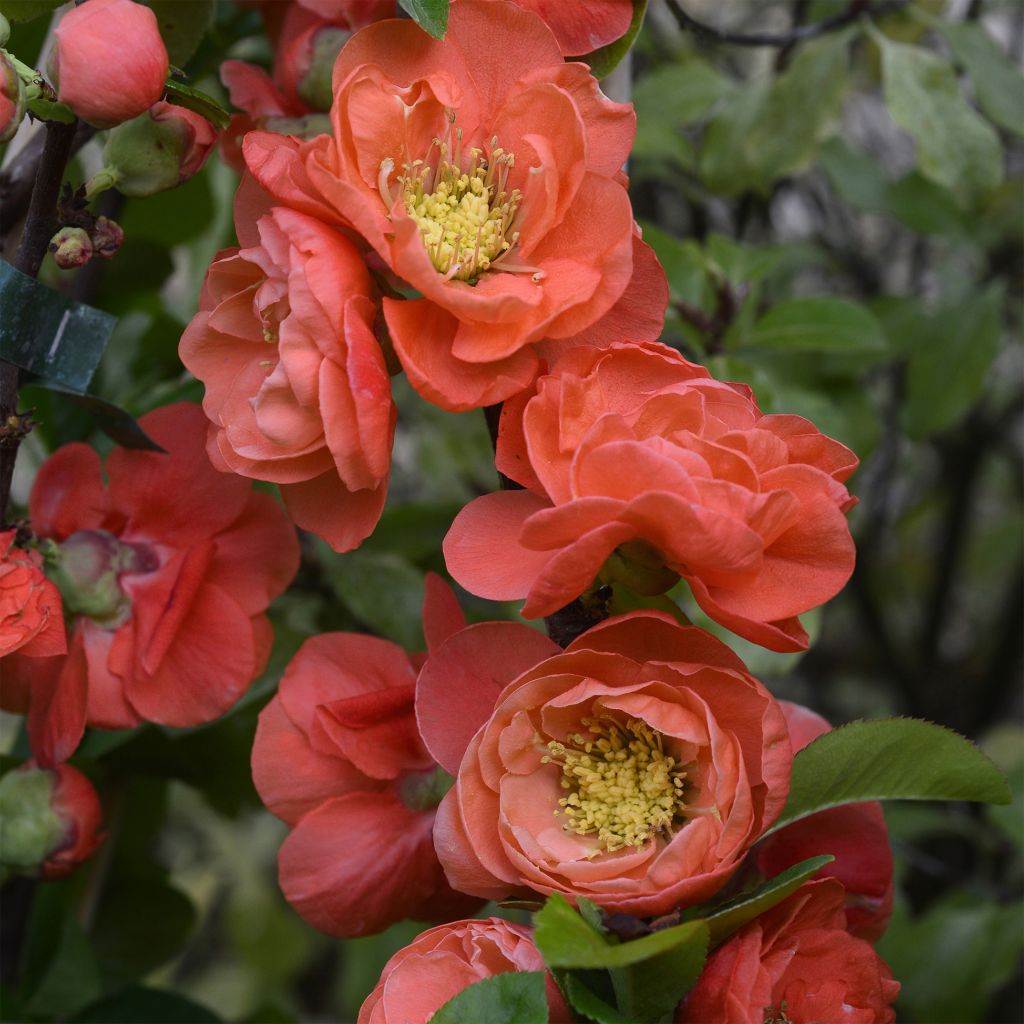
(71, 247)
(156, 151)
(638, 566)
(49, 820)
(5, 30)
(107, 237)
(12, 98)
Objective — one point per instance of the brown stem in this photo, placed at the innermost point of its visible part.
(39, 229)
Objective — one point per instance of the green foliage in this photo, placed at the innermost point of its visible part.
(26, 10)
(138, 1003)
(518, 997)
(430, 15)
(955, 147)
(195, 99)
(818, 325)
(889, 759)
(183, 23)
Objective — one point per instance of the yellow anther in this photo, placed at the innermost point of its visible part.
(624, 786)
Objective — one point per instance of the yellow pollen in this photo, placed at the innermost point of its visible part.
(464, 216)
(621, 782)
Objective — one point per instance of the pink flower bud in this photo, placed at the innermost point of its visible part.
(49, 820)
(12, 99)
(107, 237)
(71, 248)
(109, 63)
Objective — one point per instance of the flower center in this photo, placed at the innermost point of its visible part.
(770, 1016)
(622, 785)
(464, 216)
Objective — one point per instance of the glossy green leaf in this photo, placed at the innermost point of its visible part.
(998, 82)
(818, 325)
(183, 23)
(518, 997)
(950, 362)
(604, 60)
(430, 15)
(733, 915)
(200, 102)
(889, 759)
(955, 147)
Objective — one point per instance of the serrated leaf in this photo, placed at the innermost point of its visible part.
(889, 759)
(998, 83)
(518, 997)
(430, 15)
(818, 325)
(604, 60)
(194, 99)
(737, 912)
(955, 147)
(183, 23)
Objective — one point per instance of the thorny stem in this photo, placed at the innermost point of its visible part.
(39, 229)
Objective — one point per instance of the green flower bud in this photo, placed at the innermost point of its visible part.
(30, 827)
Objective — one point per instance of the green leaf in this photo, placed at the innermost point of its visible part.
(145, 1004)
(183, 23)
(684, 263)
(889, 759)
(518, 997)
(950, 363)
(43, 332)
(998, 83)
(70, 979)
(733, 915)
(818, 325)
(955, 147)
(50, 110)
(200, 102)
(26, 10)
(118, 425)
(604, 60)
(590, 1005)
(430, 15)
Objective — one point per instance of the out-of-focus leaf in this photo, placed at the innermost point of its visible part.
(200, 102)
(732, 916)
(183, 23)
(741, 263)
(118, 425)
(382, 590)
(950, 362)
(955, 147)
(26, 10)
(998, 83)
(518, 997)
(818, 325)
(171, 217)
(136, 1004)
(950, 960)
(71, 979)
(365, 959)
(604, 60)
(140, 924)
(430, 15)
(684, 263)
(889, 759)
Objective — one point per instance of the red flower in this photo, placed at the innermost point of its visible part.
(634, 452)
(582, 25)
(76, 804)
(703, 771)
(854, 834)
(795, 963)
(338, 757)
(419, 979)
(168, 571)
(30, 611)
(489, 179)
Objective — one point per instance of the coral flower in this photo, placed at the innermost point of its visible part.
(297, 390)
(488, 179)
(108, 62)
(583, 25)
(797, 964)
(419, 979)
(30, 610)
(338, 757)
(635, 768)
(635, 453)
(167, 571)
(855, 834)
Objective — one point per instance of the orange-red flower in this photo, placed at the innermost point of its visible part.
(487, 177)
(419, 979)
(635, 453)
(297, 390)
(636, 768)
(30, 611)
(797, 962)
(583, 25)
(855, 834)
(338, 757)
(167, 570)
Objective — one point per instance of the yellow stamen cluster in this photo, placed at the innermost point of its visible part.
(771, 1018)
(622, 785)
(464, 216)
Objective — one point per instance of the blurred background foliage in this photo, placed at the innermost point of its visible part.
(840, 221)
